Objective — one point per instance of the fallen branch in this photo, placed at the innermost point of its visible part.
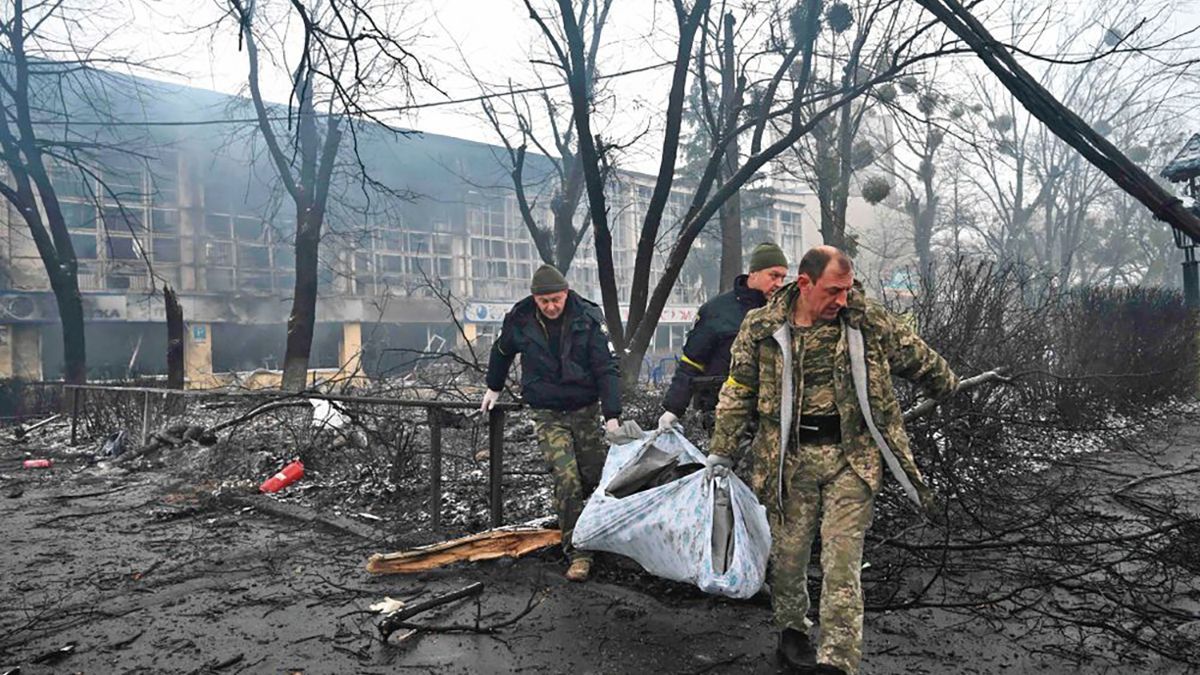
(394, 621)
(1156, 476)
(95, 493)
(264, 408)
(21, 430)
(534, 600)
(924, 407)
(1034, 543)
(270, 506)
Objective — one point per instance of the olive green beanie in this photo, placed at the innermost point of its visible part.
(547, 279)
(767, 255)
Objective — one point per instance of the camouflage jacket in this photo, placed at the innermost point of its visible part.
(758, 379)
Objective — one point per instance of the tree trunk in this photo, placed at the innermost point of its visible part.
(304, 303)
(592, 156)
(731, 210)
(827, 169)
(174, 339)
(70, 312)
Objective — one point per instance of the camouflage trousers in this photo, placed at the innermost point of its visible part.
(574, 449)
(823, 490)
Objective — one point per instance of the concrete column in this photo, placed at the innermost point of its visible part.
(197, 356)
(350, 349)
(470, 332)
(21, 352)
(27, 352)
(6, 351)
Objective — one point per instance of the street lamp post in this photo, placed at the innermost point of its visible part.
(1191, 278)
(1185, 168)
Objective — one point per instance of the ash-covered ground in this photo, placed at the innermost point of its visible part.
(170, 562)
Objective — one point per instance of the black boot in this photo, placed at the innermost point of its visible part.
(826, 669)
(796, 652)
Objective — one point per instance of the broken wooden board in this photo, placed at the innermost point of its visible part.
(267, 505)
(505, 542)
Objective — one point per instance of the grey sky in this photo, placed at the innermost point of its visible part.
(495, 37)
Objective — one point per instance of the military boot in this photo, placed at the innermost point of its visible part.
(826, 669)
(796, 652)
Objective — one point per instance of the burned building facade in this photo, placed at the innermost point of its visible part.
(197, 208)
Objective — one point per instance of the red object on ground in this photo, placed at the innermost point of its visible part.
(38, 463)
(290, 474)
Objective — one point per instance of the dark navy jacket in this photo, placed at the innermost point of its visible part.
(704, 364)
(586, 370)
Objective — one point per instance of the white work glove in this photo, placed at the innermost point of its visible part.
(489, 400)
(667, 420)
(612, 426)
(716, 465)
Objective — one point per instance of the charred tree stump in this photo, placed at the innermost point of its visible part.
(174, 339)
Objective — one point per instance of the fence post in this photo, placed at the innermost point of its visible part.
(435, 466)
(496, 464)
(145, 417)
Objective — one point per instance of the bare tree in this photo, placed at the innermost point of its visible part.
(558, 241)
(57, 109)
(829, 157)
(1060, 119)
(912, 146)
(348, 55)
(792, 104)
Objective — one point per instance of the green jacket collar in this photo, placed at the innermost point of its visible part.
(764, 322)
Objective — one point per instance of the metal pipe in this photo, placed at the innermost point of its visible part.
(145, 418)
(435, 467)
(496, 464)
(374, 400)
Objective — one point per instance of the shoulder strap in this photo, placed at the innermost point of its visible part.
(858, 370)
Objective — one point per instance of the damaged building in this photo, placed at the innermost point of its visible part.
(197, 207)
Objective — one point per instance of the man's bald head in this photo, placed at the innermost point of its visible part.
(814, 262)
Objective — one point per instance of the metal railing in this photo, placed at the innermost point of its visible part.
(76, 396)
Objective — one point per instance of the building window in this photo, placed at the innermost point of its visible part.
(85, 246)
(123, 248)
(166, 249)
(285, 257)
(219, 279)
(121, 219)
(218, 253)
(391, 264)
(79, 216)
(164, 221)
(217, 225)
(259, 281)
(257, 257)
(248, 229)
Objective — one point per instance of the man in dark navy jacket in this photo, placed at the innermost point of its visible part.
(704, 363)
(569, 377)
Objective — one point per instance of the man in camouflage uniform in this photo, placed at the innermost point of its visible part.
(818, 461)
(704, 363)
(568, 377)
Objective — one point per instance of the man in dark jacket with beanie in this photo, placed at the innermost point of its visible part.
(704, 363)
(569, 377)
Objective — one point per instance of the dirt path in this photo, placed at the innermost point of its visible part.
(142, 572)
